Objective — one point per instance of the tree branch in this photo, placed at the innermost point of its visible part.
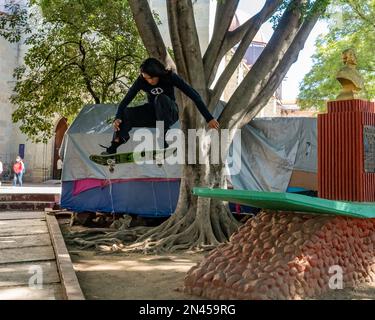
(224, 16)
(175, 38)
(360, 13)
(84, 72)
(280, 72)
(55, 49)
(249, 29)
(185, 44)
(266, 12)
(253, 28)
(149, 32)
(189, 40)
(262, 70)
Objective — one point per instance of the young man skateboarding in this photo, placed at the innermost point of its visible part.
(158, 83)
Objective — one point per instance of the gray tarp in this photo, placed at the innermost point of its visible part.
(271, 149)
(82, 139)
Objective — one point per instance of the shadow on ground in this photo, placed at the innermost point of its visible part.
(132, 276)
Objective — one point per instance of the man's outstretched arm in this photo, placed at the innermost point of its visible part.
(195, 96)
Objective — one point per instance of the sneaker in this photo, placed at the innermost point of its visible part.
(112, 149)
(108, 150)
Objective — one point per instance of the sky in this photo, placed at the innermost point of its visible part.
(304, 62)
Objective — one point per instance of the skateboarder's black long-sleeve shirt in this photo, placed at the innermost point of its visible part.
(166, 86)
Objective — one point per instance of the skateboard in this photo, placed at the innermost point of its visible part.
(111, 160)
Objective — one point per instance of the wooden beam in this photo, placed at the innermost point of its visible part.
(29, 254)
(18, 274)
(48, 292)
(22, 230)
(16, 215)
(34, 240)
(69, 281)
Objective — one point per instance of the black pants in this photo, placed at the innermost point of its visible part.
(146, 115)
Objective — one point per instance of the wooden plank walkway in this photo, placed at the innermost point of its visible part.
(34, 261)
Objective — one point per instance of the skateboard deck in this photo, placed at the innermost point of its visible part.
(132, 157)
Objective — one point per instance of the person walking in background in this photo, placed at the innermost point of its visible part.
(1, 170)
(18, 170)
(59, 166)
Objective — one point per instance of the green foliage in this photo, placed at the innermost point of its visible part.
(351, 25)
(14, 24)
(308, 8)
(79, 52)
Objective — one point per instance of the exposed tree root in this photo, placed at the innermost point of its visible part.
(191, 229)
(97, 238)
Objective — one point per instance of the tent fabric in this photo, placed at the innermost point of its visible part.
(151, 199)
(139, 189)
(270, 149)
(86, 184)
(82, 139)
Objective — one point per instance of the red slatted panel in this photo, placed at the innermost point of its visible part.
(340, 154)
(369, 177)
(319, 152)
(351, 122)
(332, 139)
(358, 142)
(341, 174)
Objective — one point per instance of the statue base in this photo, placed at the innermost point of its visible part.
(346, 151)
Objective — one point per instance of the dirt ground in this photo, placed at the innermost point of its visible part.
(143, 277)
(130, 276)
(133, 276)
(364, 292)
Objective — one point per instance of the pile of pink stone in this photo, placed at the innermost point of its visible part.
(286, 255)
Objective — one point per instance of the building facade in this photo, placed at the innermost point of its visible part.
(39, 158)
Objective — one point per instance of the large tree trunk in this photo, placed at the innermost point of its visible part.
(198, 223)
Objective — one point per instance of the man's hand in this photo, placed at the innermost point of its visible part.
(116, 124)
(213, 124)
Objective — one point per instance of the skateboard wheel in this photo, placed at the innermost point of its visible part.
(111, 162)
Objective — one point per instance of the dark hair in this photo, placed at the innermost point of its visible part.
(154, 68)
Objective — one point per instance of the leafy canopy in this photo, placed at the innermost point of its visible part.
(79, 52)
(351, 25)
